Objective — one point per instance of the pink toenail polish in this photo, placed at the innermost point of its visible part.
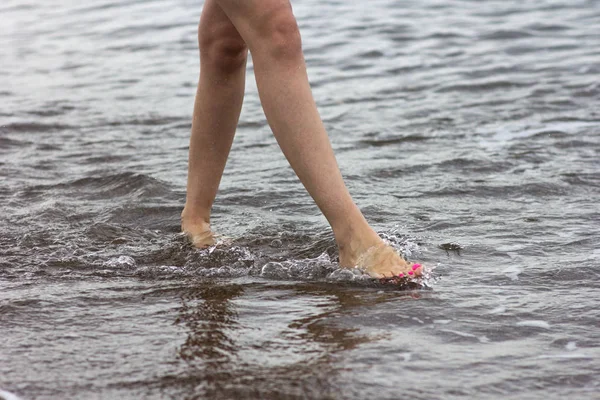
(401, 275)
(416, 267)
(410, 272)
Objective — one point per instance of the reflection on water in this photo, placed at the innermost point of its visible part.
(208, 315)
(230, 351)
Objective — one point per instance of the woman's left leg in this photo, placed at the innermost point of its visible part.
(270, 30)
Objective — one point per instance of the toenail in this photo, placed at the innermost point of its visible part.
(416, 267)
(410, 272)
(401, 275)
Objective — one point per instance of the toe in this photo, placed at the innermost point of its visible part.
(416, 269)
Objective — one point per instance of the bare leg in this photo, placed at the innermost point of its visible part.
(271, 32)
(219, 97)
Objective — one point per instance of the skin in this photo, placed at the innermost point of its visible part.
(268, 28)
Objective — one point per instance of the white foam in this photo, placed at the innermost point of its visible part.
(7, 396)
(513, 272)
(481, 339)
(571, 346)
(510, 248)
(498, 310)
(120, 262)
(534, 324)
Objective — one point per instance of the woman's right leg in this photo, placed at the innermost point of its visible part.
(217, 108)
(271, 32)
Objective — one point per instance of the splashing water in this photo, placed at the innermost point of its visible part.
(233, 261)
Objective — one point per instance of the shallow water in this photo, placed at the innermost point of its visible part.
(467, 131)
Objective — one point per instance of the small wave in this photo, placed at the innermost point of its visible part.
(505, 34)
(371, 54)
(518, 50)
(32, 127)
(582, 179)
(569, 356)
(543, 27)
(6, 143)
(479, 190)
(52, 109)
(142, 28)
(550, 133)
(393, 140)
(483, 86)
(121, 184)
(105, 159)
(445, 35)
(474, 165)
(149, 121)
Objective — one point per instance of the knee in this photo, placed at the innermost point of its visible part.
(222, 47)
(278, 35)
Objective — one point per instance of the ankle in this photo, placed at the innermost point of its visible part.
(194, 218)
(354, 235)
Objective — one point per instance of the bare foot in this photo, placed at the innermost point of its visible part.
(199, 233)
(377, 258)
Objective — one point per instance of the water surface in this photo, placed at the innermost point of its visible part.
(468, 133)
